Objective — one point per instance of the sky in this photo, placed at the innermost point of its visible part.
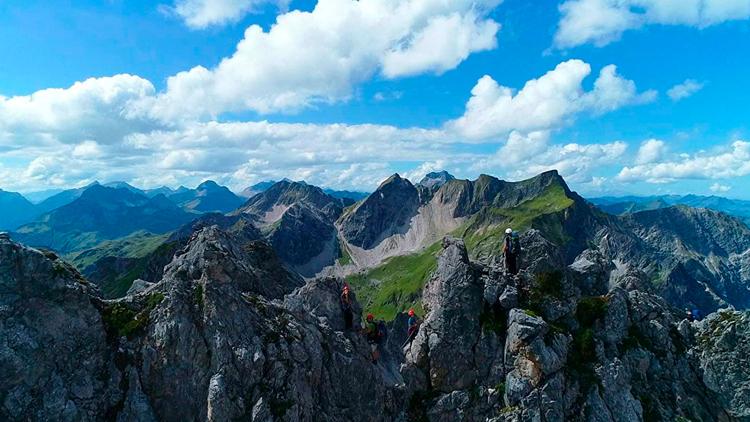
(620, 96)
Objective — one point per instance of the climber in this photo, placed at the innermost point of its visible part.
(689, 315)
(696, 314)
(413, 327)
(373, 336)
(346, 306)
(511, 248)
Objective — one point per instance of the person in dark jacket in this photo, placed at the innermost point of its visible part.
(346, 307)
(372, 333)
(510, 250)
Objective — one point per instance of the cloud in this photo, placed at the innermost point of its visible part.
(544, 103)
(232, 153)
(603, 21)
(95, 109)
(651, 151)
(121, 128)
(308, 58)
(87, 149)
(524, 156)
(684, 90)
(719, 188)
(455, 35)
(201, 14)
(387, 96)
(96, 130)
(725, 163)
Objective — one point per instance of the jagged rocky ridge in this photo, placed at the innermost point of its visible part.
(694, 258)
(228, 333)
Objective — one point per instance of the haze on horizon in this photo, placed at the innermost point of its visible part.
(620, 97)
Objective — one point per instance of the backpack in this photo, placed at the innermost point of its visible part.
(515, 244)
(382, 329)
(372, 331)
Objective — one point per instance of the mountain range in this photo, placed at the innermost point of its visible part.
(228, 332)
(387, 242)
(102, 213)
(692, 257)
(630, 204)
(235, 315)
(16, 210)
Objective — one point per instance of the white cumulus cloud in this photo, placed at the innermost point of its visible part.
(96, 109)
(524, 156)
(320, 56)
(544, 103)
(684, 89)
(603, 21)
(651, 151)
(201, 14)
(728, 162)
(719, 188)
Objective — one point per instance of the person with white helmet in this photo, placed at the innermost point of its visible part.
(511, 248)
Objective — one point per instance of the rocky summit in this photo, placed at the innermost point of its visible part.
(298, 220)
(228, 333)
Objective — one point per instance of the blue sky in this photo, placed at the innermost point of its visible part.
(387, 89)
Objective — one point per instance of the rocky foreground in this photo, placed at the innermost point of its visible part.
(229, 334)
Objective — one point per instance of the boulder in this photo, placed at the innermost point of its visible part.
(138, 286)
(723, 347)
(453, 301)
(321, 298)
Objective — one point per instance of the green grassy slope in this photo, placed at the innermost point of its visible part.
(397, 284)
(484, 232)
(116, 284)
(133, 252)
(136, 245)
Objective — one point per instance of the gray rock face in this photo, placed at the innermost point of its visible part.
(538, 254)
(54, 357)
(385, 212)
(453, 299)
(139, 286)
(622, 356)
(696, 253)
(229, 334)
(300, 235)
(723, 347)
(298, 220)
(217, 333)
(320, 298)
(205, 343)
(592, 270)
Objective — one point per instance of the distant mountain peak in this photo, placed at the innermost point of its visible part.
(394, 179)
(441, 173)
(547, 178)
(436, 179)
(208, 184)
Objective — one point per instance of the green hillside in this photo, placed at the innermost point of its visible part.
(136, 245)
(396, 285)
